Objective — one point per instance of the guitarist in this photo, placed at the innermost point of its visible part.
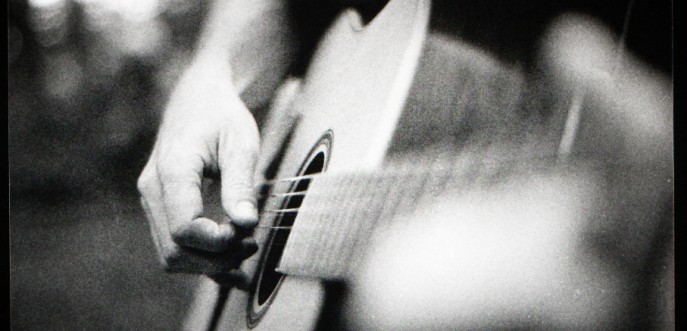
(244, 52)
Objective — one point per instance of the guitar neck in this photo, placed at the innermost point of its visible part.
(341, 212)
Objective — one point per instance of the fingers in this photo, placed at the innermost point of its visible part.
(185, 242)
(180, 180)
(181, 190)
(177, 257)
(204, 234)
(188, 260)
(237, 156)
(151, 201)
(206, 127)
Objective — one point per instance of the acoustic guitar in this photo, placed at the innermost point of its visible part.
(392, 117)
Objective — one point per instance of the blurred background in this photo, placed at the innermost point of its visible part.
(88, 80)
(87, 83)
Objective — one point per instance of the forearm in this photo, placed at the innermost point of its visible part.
(254, 39)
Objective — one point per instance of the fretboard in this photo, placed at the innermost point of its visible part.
(341, 212)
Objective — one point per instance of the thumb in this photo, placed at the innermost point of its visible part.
(237, 155)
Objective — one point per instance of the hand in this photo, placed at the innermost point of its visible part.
(206, 128)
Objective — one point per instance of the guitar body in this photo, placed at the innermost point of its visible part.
(374, 94)
(334, 101)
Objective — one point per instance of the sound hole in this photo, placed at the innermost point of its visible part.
(270, 277)
(369, 9)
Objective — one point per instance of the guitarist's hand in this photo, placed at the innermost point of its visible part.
(243, 54)
(205, 129)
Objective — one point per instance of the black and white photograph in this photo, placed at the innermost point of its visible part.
(219, 165)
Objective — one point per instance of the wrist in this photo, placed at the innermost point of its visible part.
(213, 69)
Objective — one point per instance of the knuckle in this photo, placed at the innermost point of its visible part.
(145, 183)
(173, 168)
(168, 168)
(223, 237)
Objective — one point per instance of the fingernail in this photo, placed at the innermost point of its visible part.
(245, 214)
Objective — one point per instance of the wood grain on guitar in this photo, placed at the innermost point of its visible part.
(446, 200)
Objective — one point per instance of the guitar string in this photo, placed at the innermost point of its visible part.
(282, 212)
(550, 157)
(301, 194)
(286, 211)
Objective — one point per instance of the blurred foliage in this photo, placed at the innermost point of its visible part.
(87, 83)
